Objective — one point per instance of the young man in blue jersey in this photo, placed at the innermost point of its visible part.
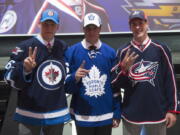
(151, 100)
(94, 106)
(37, 70)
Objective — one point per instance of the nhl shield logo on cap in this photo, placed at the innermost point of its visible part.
(50, 13)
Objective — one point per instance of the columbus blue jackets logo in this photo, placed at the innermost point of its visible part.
(51, 75)
(143, 71)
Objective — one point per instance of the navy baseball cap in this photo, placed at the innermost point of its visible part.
(138, 14)
(50, 14)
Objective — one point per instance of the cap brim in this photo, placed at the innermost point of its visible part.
(50, 18)
(98, 25)
(137, 17)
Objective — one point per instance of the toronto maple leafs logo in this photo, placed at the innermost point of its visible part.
(51, 74)
(94, 83)
(91, 17)
(144, 71)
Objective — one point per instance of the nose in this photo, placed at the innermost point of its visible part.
(137, 26)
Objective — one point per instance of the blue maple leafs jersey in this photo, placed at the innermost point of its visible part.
(93, 103)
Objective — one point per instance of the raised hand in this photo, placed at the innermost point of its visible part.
(29, 62)
(81, 72)
(128, 60)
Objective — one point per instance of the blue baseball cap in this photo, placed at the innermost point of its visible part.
(138, 14)
(50, 14)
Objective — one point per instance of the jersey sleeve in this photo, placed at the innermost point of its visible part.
(14, 73)
(169, 80)
(70, 82)
(119, 78)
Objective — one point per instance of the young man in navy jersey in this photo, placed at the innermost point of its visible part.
(151, 99)
(37, 70)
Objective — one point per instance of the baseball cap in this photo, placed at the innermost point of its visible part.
(138, 14)
(50, 14)
(92, 18)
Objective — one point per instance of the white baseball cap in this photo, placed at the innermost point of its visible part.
(92, 18)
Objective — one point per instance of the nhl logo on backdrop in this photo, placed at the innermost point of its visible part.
(51, 75)
(8, 21)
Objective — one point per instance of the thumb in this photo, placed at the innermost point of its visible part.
(82, 64)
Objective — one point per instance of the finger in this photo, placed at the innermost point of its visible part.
(27, 65)
(34, 53)
(84, 70)
(83, 73)
(28, 60)
(33, 64)
(132, 55)
(170, 124)
(82, 64)
(127, 54)
(167, 121)
(134, 58)
(30, 51)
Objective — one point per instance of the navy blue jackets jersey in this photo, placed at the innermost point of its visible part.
(93, 103)
(152, 92)
(41, 96)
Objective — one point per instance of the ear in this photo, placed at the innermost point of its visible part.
(57, 27)
(39, 24)
(147, 26)
(83, 29)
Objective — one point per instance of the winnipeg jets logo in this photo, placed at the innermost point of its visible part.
(144, 71)
(94, 83)
(16, 50)
(51, 74)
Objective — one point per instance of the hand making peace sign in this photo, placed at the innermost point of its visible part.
(29, 62)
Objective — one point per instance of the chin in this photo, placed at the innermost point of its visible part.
(139, 35)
